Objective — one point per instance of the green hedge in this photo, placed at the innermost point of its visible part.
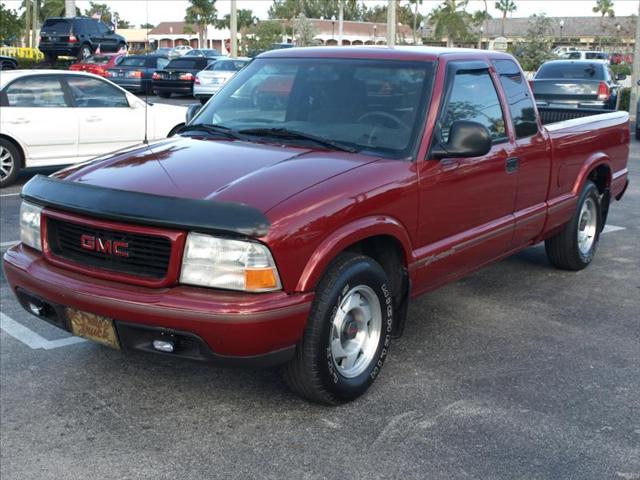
(625, 98)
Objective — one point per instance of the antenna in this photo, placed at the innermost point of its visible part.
(146, 88)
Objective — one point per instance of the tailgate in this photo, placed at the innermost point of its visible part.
(565, 92)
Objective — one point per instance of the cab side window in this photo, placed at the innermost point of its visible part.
(37, 91)
(523, 113)
(474, 98)
(93, 93)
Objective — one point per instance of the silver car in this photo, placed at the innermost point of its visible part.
(209, 80)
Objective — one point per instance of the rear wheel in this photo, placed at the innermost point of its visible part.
(84, 52)
(10, 162)
(575, 247)
(50, 58)
(348, 333)
(164, 94)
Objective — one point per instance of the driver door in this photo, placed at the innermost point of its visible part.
(466, 204)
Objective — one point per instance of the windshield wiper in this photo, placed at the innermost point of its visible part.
(296, 135)
(213, 129)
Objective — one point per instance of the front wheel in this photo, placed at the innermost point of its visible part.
(348, 333)
(575, 246)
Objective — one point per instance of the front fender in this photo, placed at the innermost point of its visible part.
(347, 235)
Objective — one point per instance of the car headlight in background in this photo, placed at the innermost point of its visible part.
(232, 264)
(30, 225)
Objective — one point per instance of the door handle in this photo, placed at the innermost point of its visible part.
(512, 164)
(94, 119)
(20, 121)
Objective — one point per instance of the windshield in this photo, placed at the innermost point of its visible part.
(375, 106)
(60, 26)
(586, 71)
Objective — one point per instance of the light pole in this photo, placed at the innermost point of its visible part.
(480, 39)
(333, 27)
(375, 31)
(561, 28)
(421, 32)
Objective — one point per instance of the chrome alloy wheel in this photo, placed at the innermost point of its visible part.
(587, 225)
(6, 162)
(355, 331)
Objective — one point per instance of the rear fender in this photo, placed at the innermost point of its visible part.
(346, 236)
(594, 161)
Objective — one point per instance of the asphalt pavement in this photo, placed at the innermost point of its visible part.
(519, 371)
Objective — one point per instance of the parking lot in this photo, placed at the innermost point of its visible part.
(518, 371)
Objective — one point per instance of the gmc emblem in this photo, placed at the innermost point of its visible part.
(108, 247)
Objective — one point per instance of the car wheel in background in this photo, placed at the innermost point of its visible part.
(575, 246)
(85, 51)
(637, 133)
(10, 161)
(121, 46)
(164, 94)
(348, 332)
(50, 58)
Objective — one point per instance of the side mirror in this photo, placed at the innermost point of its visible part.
(192, 111)
(466, 139)
(621, 76)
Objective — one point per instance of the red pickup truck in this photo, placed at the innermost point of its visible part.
(295, 232)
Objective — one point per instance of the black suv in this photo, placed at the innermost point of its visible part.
(77, 37)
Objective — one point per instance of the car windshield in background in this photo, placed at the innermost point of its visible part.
(372, 106)
(203, 53)
(571, 70)
(188, 63)
(97, 59)
(58, 26)
(133, 62)
(228, 65)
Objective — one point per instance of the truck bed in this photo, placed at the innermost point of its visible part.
(549, 115)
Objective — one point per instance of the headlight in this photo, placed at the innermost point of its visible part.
(232, 264)
(30, 225)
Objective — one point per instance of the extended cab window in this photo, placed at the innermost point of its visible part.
(474, 98)
(523, 114)
(92, 93)
(43, 92)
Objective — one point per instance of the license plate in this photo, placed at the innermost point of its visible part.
(93, 327)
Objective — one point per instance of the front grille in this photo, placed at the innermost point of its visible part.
(148, 255)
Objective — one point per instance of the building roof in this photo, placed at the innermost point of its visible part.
(576, 27)
(134, 34)
(170, 28)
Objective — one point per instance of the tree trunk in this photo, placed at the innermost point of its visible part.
(415, 22)
(504, 20)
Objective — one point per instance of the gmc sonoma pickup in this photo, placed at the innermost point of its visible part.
(294, 230)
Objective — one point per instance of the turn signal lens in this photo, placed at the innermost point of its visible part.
(257, 279)
(186, 76)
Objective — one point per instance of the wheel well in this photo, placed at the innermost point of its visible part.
(18, 147)
(601, 176)
(388, 252)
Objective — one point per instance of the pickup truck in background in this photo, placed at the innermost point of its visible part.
(295, 233)
(576, 84)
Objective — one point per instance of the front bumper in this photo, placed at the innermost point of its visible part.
(233, 326)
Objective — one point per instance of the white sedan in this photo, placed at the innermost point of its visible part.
(53, 117)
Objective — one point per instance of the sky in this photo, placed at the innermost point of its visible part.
(156, 11)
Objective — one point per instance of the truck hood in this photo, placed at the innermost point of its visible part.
(257, 174)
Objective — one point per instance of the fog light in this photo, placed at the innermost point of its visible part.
(35, 309)
(163, 346)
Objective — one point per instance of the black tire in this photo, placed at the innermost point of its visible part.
(84, 52)
(313, 373)
(563, 250)
(51, 58)
(121, 46)
(164, 94)
(637, 133)
(10, 162)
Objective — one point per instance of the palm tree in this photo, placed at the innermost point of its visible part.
(506, 7)
(451, 20)
(415, 4)
(605, 9)
(200, 14)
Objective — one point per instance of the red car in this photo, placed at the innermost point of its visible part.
(297, 234)
(98, 64)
